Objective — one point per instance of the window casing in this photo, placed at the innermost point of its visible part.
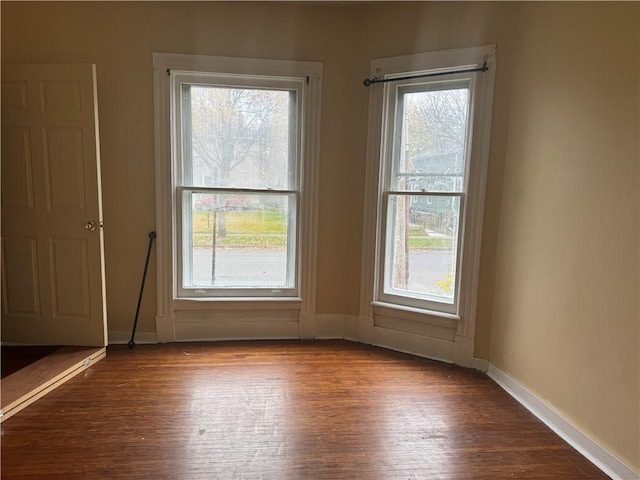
(427, 157)
(236, 310)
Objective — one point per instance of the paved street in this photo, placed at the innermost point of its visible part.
(240, 267)
(258, 267)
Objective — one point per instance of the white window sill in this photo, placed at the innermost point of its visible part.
(237, 303)
(413, 313)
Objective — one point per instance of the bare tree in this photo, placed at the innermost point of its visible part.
(437, 121)
(228, 127)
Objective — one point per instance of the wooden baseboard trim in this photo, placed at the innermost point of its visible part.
(122, 338)
(33, 382)
(589, 448)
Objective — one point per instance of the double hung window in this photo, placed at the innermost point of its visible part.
(428, 149)
(238, 150)
(423, 192)
(242, 175)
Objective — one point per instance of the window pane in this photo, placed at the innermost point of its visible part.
(238, 137)
(239, 240)
(430, 153)
(422, 239)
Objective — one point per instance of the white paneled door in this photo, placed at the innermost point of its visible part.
(52, 241)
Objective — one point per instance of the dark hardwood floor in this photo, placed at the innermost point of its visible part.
(281, 410)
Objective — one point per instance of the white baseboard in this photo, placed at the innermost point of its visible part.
(307, 326)
(351, 328)
(593, 451)
(463, 354)
(122, 338)
(329, 326)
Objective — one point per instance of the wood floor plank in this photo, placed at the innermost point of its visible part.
(281, 410)
(22, 388)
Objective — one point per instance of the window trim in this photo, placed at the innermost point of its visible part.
(461, 351)
(169, 306)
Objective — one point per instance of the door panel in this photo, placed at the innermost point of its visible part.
(21, 280)
(53, 272)
(14, 95)
(70, 278)
(63, 164)
(17, 181)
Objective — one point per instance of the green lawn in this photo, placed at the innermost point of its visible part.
(243, 222)
(244, 229)
(269, 229)
(239, 241)
(429, 242)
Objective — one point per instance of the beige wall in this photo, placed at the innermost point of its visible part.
(566, 318)
(558, 293)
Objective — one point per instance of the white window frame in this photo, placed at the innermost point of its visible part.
(381, 313)
(387, 160)
(182, 188)
(174, 307)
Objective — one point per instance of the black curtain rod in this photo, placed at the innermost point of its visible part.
(370, 81)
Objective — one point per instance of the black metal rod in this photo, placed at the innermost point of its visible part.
(370, 81)
(132, 343)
